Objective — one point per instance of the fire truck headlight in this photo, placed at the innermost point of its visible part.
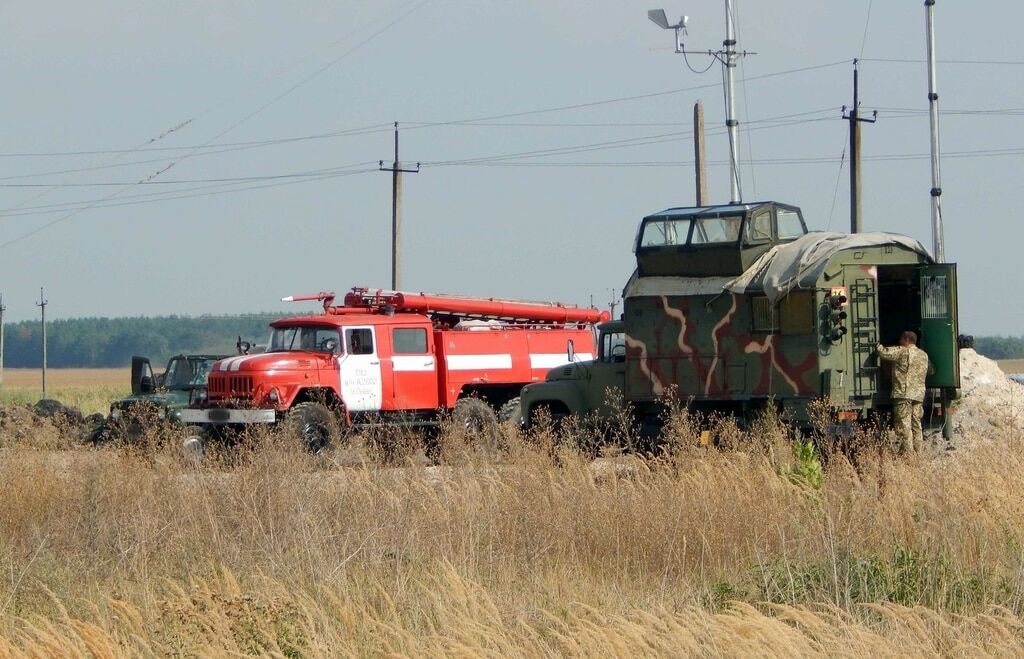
(274, 396)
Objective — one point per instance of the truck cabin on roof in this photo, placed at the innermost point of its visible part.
(713, 240)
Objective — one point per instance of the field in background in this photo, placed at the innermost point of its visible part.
(1011, 366)
(89, 389)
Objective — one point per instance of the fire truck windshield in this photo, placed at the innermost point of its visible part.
(306, 338)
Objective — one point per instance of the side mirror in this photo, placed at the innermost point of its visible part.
(570, 350)
(146, 384)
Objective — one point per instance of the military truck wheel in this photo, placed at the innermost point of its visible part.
(314, 425)
(478, 418)
(512, 411)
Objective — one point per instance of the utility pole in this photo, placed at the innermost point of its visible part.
(728, 56)
(938, 248)
(396, 212)
(729, 61)
(2, 310)
(614, 301)
(853, 116)
(42, 306)
(699, 154)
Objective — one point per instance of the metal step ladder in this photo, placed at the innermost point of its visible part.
(863, 324)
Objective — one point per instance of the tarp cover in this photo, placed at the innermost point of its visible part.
(799, 264)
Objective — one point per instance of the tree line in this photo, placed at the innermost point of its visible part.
(1000, 347)
(111, 342)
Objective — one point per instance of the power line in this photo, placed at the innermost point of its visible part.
(252, 114)
(893, 60)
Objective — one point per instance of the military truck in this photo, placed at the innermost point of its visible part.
(737, 307)
(156, 398)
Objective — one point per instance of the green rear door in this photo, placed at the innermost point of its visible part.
(939, 323)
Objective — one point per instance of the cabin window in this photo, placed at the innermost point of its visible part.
(409, 340)
(613, 347)
(715, 230)
(790, 225)
(359, 341)
(763, 312)
(759, 228)
(659, 233)
(933, 297)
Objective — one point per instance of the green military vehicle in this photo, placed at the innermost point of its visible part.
(737, 307)
(156, 399)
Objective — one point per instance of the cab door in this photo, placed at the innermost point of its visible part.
(939, 327)
(359, 368)
(413, 369)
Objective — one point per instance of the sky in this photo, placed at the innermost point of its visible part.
(210, 158)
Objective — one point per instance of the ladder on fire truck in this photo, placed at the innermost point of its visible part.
(511, 312)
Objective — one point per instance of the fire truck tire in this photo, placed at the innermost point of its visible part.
(314, 425)
(512, 411)
(478, 417)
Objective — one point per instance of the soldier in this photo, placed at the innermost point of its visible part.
(910, 367)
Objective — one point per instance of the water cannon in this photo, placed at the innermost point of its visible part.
(326, 297)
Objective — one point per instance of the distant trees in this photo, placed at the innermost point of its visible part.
(1000, 347)
(111, 342)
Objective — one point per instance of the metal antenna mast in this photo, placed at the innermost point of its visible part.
(938, 249)
(727, 56)
(396, 212)
(853, 116)
(2, 310)
(42, 307)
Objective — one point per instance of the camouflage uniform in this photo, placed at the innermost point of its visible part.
(909, 370)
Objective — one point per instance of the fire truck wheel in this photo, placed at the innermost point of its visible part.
(314, 425)
(477, 417)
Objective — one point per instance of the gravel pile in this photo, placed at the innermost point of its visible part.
(989, 400)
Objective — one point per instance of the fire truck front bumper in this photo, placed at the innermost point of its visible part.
(218, 416)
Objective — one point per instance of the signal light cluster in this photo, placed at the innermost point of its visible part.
(836, 328)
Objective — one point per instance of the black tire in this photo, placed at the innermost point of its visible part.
(478, 418)
(314, 425)
(512, 411)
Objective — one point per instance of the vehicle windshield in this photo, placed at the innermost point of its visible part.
(184, 373)
(706, 230)
(307, 338)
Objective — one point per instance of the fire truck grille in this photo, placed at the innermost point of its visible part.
(229, 386)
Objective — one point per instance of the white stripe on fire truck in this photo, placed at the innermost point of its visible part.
(404, 363)
(478, 362)
(554, 360)
(239, 362)
(225, 364)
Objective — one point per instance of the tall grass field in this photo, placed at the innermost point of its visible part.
(759, 546)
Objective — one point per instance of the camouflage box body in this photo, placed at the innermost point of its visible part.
(732, 315)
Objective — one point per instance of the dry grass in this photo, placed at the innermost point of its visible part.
(535, 551)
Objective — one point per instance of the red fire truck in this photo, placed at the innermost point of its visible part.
(392, 357)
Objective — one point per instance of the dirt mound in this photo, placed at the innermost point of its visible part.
(47, 424)
(989, 400)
